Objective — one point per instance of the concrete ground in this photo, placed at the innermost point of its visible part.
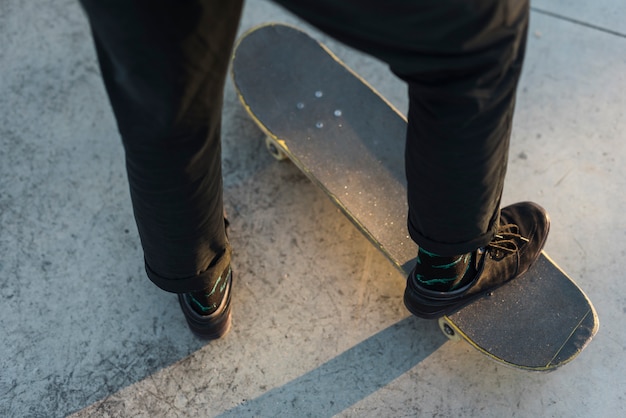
(319, 326)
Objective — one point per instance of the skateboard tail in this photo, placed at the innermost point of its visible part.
(568, 351)
(537, 322)
(583, 333)
(578, 340)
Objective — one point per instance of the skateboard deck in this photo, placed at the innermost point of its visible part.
(349, 141)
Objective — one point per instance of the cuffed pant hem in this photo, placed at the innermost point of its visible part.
(193, 283)
(447, 249)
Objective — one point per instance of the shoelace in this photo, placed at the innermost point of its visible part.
(505, 241)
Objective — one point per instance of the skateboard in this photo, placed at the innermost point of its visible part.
(349, 141)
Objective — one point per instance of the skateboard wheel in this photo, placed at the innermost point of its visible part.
(273, 149)
(447, 330)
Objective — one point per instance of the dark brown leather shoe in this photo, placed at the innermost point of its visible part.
(520, 238)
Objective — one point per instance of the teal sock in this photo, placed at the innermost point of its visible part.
(443, 273)
(206, 301)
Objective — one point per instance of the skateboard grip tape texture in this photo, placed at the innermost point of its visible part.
(539, 321)
(336, 128)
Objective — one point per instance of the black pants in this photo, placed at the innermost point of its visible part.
(164, 64)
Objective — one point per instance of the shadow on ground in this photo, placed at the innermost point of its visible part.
(351, 376)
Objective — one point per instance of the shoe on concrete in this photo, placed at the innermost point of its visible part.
(516, 246)
(215, 324)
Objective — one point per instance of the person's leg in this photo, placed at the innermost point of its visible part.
(164, 65)
(462, 61)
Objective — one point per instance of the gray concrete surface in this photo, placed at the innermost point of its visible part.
(603, 15)
(319, 326)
